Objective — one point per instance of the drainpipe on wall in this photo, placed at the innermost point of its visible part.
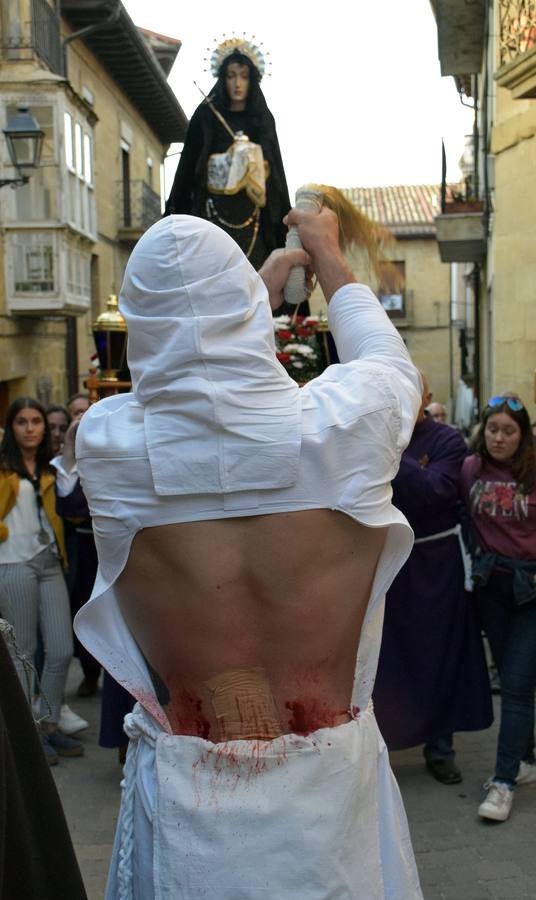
(89, 29)
(476, 270)
(71, 357)
(476, 293)
(452, 289)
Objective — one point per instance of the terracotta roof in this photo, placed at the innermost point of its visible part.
(161, 37)
(407, 209)
(164, 48)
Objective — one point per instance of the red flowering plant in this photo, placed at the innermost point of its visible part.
(296, 346)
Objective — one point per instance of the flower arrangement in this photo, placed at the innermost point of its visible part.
(296, 346)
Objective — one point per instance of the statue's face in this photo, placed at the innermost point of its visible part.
(237, 83)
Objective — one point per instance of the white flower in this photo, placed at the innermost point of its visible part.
(305, 350)
(297, 364)
(292, 348)
(281, 322)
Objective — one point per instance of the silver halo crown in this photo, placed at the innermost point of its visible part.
(238, 44)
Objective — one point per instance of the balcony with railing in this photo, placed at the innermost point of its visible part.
(46, 38)
(517, 47)
(139, 207)
(32, 28)
(461, 225)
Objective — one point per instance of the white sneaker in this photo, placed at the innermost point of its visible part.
(498, 802)
(70, 722)
(527, 773)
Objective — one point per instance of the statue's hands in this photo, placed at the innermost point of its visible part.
(274, 272)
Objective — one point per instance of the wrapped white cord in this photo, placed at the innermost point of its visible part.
(295, 291)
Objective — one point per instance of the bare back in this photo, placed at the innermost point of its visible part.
(252, 624)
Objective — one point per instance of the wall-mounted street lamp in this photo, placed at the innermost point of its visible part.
(24, 140)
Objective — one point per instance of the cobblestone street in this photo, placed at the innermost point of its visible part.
(459, 857)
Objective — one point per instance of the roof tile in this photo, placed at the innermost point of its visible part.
(405, 209)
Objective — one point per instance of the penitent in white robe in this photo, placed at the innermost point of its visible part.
(313, 817)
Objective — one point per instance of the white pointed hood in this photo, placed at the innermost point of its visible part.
(220, 412)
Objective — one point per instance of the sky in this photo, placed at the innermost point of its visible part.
(355, 86)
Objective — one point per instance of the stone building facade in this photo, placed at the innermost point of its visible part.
(489, 47)
(97, 87)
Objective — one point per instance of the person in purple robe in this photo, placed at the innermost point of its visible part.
(432, 678)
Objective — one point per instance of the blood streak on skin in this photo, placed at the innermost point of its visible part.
(311, 714)
(188, 710)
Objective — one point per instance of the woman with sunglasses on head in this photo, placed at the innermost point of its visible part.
(33, 594)
(499, 485)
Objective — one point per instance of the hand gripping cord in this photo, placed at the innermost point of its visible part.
(295, 291)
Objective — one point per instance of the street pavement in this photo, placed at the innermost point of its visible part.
(459, 857)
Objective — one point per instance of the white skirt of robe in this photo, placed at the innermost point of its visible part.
(296, 818)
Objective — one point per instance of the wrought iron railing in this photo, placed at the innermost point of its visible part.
(517, 28)
(139, 205)
(46, 35)
(464, 194)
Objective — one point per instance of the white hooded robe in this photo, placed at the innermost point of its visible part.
(215, 428)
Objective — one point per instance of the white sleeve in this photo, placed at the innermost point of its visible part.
(65, 481)
(362, 330)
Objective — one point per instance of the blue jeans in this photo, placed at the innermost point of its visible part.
(511, 632)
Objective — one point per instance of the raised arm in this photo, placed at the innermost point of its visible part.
(319, 234)
(360, 326)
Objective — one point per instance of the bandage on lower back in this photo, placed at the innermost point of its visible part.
(244, 706)
(294, 291)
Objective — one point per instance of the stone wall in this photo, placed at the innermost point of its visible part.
(514, 239)
(33, 348)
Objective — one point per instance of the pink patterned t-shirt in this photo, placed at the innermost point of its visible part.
(503, 518)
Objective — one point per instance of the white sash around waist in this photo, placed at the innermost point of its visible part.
(466, 558)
